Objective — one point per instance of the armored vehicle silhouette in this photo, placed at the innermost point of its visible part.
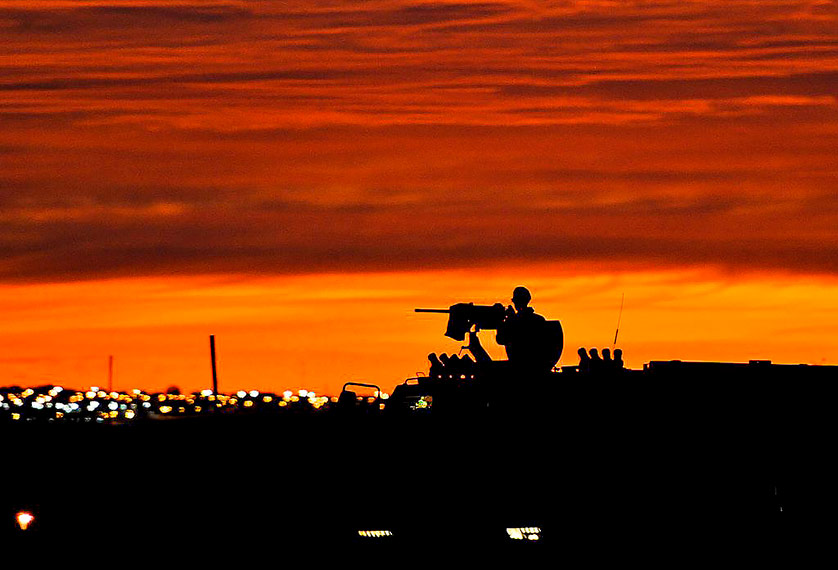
(592, 458)
(680, 449)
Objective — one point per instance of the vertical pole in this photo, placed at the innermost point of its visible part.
(110, 373)
(619, 318)
(214, 371)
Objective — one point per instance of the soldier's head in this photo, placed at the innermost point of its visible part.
(521, 297)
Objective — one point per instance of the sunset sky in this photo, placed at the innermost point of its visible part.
(296, 176)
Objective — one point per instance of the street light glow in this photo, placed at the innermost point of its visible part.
(24, 519)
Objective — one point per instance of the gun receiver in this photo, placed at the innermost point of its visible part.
(463, 316)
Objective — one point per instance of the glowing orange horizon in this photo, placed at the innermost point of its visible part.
(320, 331)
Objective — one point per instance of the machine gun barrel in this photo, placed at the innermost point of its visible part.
(463, 316)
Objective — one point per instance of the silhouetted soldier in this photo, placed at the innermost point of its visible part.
(596, 360)
(522, 330)
(467, 365)
(453, 367)
(584, 360)
(618, 358)
(436, 369)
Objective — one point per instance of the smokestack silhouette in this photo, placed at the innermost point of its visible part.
(214, 370)
(110, 373)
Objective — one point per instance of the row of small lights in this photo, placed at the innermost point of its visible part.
(530, 533)
(24, 520)
(374, 533)
(126, 405)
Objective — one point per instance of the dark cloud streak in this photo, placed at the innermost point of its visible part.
(290, 237)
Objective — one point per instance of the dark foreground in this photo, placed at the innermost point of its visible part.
(677, 459)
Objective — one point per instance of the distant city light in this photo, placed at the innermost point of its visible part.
(49, 404)
(531, 533)
(374, 533)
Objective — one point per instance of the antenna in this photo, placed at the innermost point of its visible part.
(619, 318)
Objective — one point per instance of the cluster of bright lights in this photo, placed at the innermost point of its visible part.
(374, 533)
(317, 402)
(56, 403)
(95, 405)
(24, 519)
(423, 403)
(524, 533)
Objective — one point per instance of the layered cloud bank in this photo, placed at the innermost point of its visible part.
(267, 138)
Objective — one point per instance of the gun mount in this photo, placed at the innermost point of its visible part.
(535, 346)
(463, 316)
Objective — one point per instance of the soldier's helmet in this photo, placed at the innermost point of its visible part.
(521, 295)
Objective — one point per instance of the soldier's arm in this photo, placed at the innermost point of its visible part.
(476, 349)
